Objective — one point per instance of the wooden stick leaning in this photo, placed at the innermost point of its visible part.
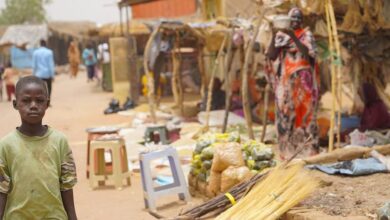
(211, 83)
(202, 71)
(333, 75)
(150, 78)
(244, 87)
(338, 69)
(228, 63)
(176, 77)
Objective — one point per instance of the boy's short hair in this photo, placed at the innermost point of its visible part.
(30, 79)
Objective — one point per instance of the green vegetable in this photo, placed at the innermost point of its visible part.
(207, 164)
(196, 162)
(207, 153)
(202, 177)
(260, 165)
(262, 154)
(250, 164)
(202, 144)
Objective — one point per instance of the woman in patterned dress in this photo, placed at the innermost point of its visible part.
(295, 87)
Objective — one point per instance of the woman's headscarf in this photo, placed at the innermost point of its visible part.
(296, 17)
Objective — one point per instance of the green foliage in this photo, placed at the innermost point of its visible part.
(23, 11)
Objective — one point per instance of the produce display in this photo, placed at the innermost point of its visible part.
(220, 161)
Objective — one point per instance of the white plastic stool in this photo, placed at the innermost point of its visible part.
(120, 170)
(178, 186)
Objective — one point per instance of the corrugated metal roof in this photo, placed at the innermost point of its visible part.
(20, 35)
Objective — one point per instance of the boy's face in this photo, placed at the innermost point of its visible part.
(31, 102)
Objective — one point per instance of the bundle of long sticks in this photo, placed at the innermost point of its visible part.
(281, 190)
(222, 202)
(219, 204)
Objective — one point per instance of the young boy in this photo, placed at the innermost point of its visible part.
(37, 171)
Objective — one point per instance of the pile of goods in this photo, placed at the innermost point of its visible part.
(220, 162)
(266, 195)
(258, 156)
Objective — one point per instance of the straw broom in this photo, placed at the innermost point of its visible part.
(281, 190)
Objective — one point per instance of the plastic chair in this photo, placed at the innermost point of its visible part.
(178, 186)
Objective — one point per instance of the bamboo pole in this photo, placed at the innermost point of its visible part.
(338, 69)
(328, 9)
(211, 83)
(244, 87)
(151, 98)
(228, 64)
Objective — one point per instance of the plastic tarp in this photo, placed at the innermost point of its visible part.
(21, 58)
(356, 167)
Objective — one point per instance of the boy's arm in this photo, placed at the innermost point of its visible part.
(67, 200)
(3, 201)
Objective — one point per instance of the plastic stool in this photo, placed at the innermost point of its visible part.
(120, 169)
(178, 186)
(160, 129)
(95, 133)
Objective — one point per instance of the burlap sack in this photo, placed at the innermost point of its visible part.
(234, 175)
(214, 186)
(227, 154)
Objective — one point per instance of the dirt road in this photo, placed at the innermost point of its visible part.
(77, 105)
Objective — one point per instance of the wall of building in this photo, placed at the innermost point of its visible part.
(164, 9)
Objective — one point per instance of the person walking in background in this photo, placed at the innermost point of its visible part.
(10, 77)
(74, 59)
(90, 61)
(43, 65)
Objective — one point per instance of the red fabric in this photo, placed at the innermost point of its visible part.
(10, 91)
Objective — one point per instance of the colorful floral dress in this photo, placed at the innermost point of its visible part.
(296, 95)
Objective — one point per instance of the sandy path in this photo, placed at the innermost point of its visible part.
(76, 106)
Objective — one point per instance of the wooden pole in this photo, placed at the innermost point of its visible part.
(177, 88)
(265, 113)
(244, 87)
(120, 19)
(149, 74)
(333, 74)
(338, 69)
(228, 91)
(211, 83)
(202, 72)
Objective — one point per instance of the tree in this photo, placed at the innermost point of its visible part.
(23, 11)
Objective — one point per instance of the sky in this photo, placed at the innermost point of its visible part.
(99, 11)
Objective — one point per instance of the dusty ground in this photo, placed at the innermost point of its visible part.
(78, 105)
(351, 196)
